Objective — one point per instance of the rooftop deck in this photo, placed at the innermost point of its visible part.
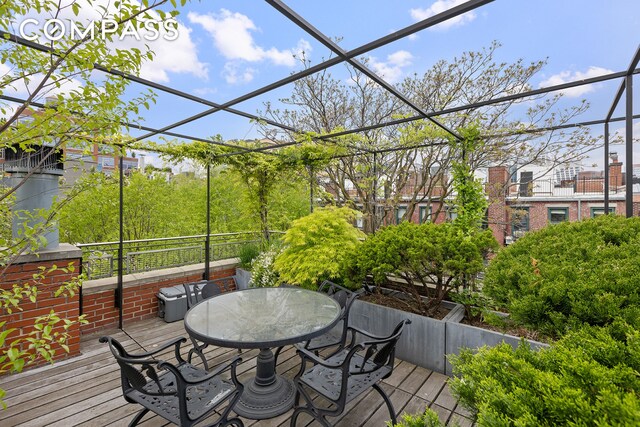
(85, 391)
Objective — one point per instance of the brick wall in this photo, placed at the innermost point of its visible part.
(497, 210)
(22, 272)
(140, 290)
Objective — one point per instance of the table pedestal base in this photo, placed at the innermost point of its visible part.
(259, 403)
(268, 394)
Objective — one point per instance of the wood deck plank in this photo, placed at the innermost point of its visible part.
(85, 390)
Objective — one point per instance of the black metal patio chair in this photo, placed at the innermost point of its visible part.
(345, 375)
(201, 291)
(345, 298)
(179, 393)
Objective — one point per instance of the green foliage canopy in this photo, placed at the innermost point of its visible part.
(570, 274)
(317, 246)
(590, 377)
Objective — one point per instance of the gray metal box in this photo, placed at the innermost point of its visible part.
(172, 302)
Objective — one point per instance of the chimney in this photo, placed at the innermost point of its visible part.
(615, 170)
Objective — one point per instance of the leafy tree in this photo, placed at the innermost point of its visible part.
(440, 257)
(83, 107)
(326, 104)
(317, 246)
(569, 274)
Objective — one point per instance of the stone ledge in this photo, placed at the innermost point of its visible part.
(137, 279)
(64, 251)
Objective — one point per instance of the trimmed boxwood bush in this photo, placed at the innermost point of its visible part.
(570, 274)
(441, 257)
(590, 377)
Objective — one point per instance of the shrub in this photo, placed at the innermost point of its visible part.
(427, 419)
(317, 245)
(587, 378)
(263, 273)
(248, 252)
(570, 274)
(441, 257)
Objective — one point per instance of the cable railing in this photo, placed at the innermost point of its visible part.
(100, 260)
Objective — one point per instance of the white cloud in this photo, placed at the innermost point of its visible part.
(439, 7)
(204, 91)
(232, 35)
(391, 69)
(568, 76)
(177, 56)
(234, 74)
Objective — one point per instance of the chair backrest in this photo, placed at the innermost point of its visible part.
(193, 293)
(214, 287)
(343, 296)
(137, 372)
(381, 351)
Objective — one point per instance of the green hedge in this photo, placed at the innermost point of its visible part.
(570, 274)
(588, 378)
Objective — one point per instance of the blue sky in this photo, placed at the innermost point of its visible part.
(228, 48)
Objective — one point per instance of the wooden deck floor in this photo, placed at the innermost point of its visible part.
(85, 391)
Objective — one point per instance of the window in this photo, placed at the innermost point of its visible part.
(600, 211)
(425, 214)
(401, 211)
(519, 221)
(558, 215)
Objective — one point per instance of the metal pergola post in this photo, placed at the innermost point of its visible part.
(629, 146)
(625, 85)
(207, 239)
(120, 290)
(606, 168)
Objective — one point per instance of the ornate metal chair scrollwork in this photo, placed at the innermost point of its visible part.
(182, 393)
(346, 374)
(197, 292)
(345, 298)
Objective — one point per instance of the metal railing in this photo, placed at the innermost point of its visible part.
(553, 187)
(101, 259)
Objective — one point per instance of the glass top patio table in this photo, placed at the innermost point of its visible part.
(263, 318)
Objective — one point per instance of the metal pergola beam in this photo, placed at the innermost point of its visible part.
(327, 42)
(534, 92)
(426, 23)
(148, 83)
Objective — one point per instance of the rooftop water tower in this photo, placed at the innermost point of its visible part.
(39, 190)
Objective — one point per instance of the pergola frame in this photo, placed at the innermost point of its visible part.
(349, 57)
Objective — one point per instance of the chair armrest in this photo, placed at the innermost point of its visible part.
(174, 342)
(304, 353)
(365, 333)
(216, 372)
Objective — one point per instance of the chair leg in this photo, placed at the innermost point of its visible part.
(235, 422)
(138, 417)
(296, 413)
(197, 349)
(392, 411)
